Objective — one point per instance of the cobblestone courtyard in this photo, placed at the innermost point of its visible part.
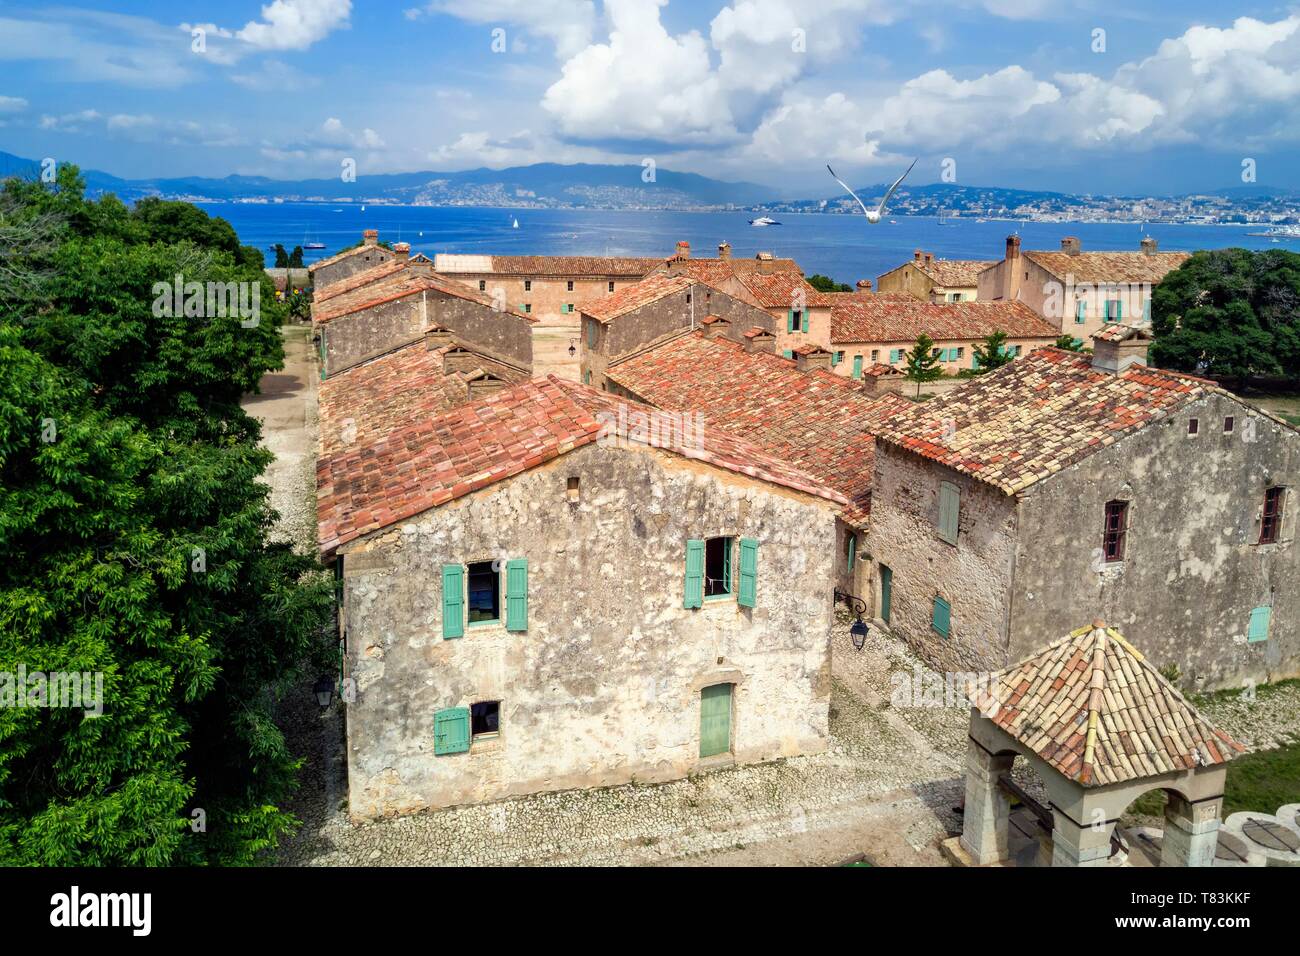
(887, 787)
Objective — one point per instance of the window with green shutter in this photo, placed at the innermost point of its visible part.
(949, 510)
(1259, 621)
(451, 730)
(850, 549)
(1146, 309)
(593, 330)
(857, 366)
(789, 320)
(1080, 312)
(517, 594)
(748, 573)
(839, 357)
(788, 353)
(694, 596)
(803, 320)
(453, 601)
(894, 355)
(941, 619)
(1119, 310)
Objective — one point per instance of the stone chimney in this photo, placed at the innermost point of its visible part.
(457, 359)
(760, 340)
(929, 258)
(370, 237)
(1149, 246)
(435, 337)
(1070, 245)
(917, 255)
(715, 326)
(1011, 270)
(1116, 347)
(402, 250)
(864, 285)
(684, 249)
(812, 357)
(724, 250)
(766, 263)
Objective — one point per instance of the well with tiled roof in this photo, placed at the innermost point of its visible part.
(900, 317)
(818, 421)
(372, 485)
(1037, 415)
(1097, 711)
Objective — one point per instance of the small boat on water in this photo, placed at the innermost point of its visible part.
(764, 221)
(516, 224)
(313, 245)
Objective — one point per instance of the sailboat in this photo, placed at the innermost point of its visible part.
(309, 243)
(516, 224)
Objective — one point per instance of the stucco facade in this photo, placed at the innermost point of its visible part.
(604, 686)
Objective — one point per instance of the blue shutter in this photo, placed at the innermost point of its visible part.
(1259, 621)
(517, 594)
(942, 617)
(694, 574)
(453, 601)
(748, 572)
(451, 730)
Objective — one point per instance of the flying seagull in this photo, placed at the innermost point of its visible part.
(873, 215)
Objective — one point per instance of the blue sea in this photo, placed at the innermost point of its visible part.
(846, 248)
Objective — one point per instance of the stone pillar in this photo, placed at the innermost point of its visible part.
(988, 809)
(1191, 832)
(1075, 845)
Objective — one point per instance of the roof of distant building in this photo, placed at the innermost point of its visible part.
(398, 285)
(427, 463)
(816, 420)
(1038, 415)
(1108, 267)
(949, 273)
(595, 267)
(1096, 710)
(899, 317)
(652, 288)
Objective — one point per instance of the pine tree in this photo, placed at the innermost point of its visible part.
(993, 353)
(922, 363)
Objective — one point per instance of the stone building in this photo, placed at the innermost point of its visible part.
(1080, 292)
(662, 304)
(556, 588)
(349, 262)
(1065, 484)
(384, 313)
(935, 280)
(867, 330)
(546, 287)
(795, 410)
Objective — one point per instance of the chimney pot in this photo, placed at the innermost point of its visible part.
(1070, 245)
(762, 342)
(864, 285)
(765, 263)
(807, 361)
(1149, 246)
(402, 250)
(684, 249)
(435, 337)
(1013, 247)
(916, 255)
(370, 237)
(724, 250)
(1117, 347)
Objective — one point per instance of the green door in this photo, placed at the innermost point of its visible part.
(715, 720)
(886, 592)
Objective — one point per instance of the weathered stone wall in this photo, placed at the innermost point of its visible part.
(631, 331)
(604, 686)
(1192, 568)
(974, 576)
(367, 258)
(546, 295)
(361, 335)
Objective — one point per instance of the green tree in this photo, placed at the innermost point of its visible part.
(826, 284)
(992, 353)
(295, 258)
(1230, 313)
(134, 543)
(1069, 343)
(281, 257)
(922, 363)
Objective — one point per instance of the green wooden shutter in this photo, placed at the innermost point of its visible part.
(942, 617)
(715, 720)
(1119, 310)
(451, 730)
(1081, 313)
(857, 366)
(694, 574)
(805, 320)
(1259, 621)
(453, 601)
(591, 333)
(788, 353)
(517, 594)
(748, 573)
(1146, 309)
(949, 508)
(789, 320)
(850, 549)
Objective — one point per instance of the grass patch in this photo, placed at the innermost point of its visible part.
(1263, 780)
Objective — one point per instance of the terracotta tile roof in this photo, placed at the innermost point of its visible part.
(955, 272)
(404, 386)
(877, 369)
(1094, 267)
(428, 463)
(818, 421)
(1037, 415)
(777, 290)
(596, 267)
(631, 297)
(340, 256)
(399, 285)
(899, 317)
(1094, 708)
(363, 278)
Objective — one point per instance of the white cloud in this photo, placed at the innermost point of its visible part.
(97, 47)
(568, 24)
(295, 24)
(275, 76)
(822, 129)
(12, 104)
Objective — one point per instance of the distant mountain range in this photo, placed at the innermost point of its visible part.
(585, 185)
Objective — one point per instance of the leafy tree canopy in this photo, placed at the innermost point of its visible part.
(826, 284)
(992, 353)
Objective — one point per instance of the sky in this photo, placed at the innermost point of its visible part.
(1071, 95)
